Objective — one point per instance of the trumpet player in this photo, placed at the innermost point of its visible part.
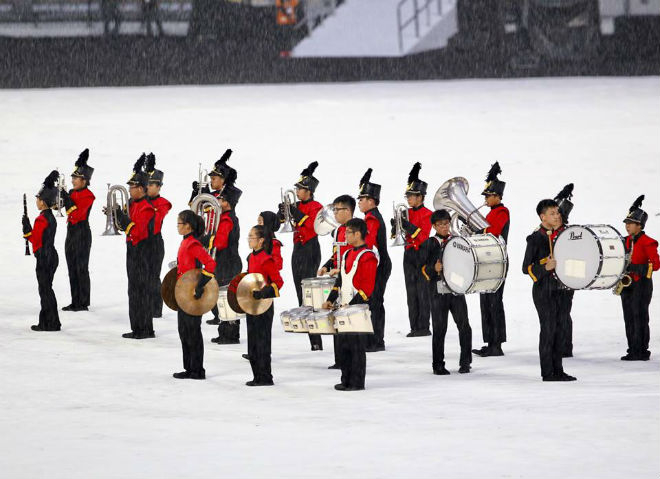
(563, 199)
(636, 297)
(368, 201)
(306, 256)
(216, 178)
(417, 228)
(539, 264)
(42, 238)
(138, 225)
(157, 251)
(78, 203)
(493, 321)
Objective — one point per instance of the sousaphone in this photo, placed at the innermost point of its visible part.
(184, 293)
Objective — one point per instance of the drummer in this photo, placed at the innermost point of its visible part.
(191, 251)
(259, 327)
(343, 208)
(354, 285)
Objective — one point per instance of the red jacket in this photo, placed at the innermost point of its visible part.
(141, 225)
(262, 262)
(161, 207)
(276, 253)
(36, 236)
(82, 200)
(365, 276)
(498, 217)
(421, 218)
(644, 252)
(191, 254)
(372, 229)
(304, 230)
(222, 234)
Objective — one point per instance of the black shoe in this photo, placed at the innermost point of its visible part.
(411, 334)
(566, 377)
(141, 335)
(259, 383)
(130, 335)
(424, 332)
(246, 356)
(354, 388)
(441, 371)
(317, 347)
(70, 307)
(181, 375)
(334, 366)
(201, 375)
(36, 327)
(340, 387)
(481, 351)
(221, 340)
(464, 369)
(495, 351)
(552, 378)
(214, 321)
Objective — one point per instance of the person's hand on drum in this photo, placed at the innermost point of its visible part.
(322, 271)
(334, 271)
(438, 266)
(327, 305)
(551, 264)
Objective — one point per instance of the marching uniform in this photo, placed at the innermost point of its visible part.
(635, 299)
(355, 285)
(190, 255)
(260, 326)
(78, 243)
(272, 222)
(442, 302)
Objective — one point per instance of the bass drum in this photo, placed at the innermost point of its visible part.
(589, 257)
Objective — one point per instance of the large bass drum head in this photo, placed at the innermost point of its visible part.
(458, 265)
(578, 257)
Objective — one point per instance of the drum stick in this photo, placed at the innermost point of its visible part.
(549, 232)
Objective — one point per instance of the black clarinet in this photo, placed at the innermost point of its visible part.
(27, 242)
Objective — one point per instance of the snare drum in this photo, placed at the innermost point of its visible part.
(285, 319)
(474, 264)
(225, 313)
(298, 319)
(316, 290)
(321, 322)
(589, 257)
(355, 319)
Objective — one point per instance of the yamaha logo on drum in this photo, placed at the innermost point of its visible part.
(461, 247)
(573, 236)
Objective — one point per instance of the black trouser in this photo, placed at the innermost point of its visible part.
(229, 331)
(77, 246)
(441, 305)
(139, 282)
(156, 255)
(352, 359)
(305, 262)
(336, 348)
(47, 262)
(192, 343)
(417, 292)
(551, 337)
(493, 321)
(635, 300)
(259, 339)
(376, 304)
(565, 306)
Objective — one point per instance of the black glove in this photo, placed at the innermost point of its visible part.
(408, 226)
(296, 214)
(27, 227)
(266, 292)
(199, 289)
(393, 230)
(281, 211)
(206, 240)
(66, 199)
(122, 218)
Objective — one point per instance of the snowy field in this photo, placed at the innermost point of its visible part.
(85, 402)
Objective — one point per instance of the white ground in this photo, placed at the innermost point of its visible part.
(86, 403)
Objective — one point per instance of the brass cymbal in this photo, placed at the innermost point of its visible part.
(252, 282)
(231, 293)
(184, 292)
(167, 290)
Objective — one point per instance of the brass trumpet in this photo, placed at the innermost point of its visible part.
(59, 202)
(400, 212)
(112, 226)
(288, 198)
(208, 207)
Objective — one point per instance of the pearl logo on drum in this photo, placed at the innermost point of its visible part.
(573, 236)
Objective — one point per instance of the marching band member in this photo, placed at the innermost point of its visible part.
(539, 264)
(260, 327)
(443, 300)
(157, 250)
(418, 229)
(635, 299)
(563, 199)
(78, 203)
(493, 321)
(228, 261)
(191, 253)
(272, 222)
(343, 209)
(306, 256)
(368, 201)
(138, 226)
(42, 237)
(354, 285)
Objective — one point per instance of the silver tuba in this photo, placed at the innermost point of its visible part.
(400, 213)
(288, 198)
(452, 195)
(325, 221)
(59, 202)
(112, 227)
(208, 207)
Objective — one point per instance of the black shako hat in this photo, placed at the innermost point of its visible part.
(48, 191)
(563, 199)
(493, 185)
(231, 195)
(368, 189)
(155, 176)
(307, 179)
(415, 185)
(636, 214)
(221, 168)
(82, 169)
(139, 177)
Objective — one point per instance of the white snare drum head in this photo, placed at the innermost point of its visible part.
(458, 265)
